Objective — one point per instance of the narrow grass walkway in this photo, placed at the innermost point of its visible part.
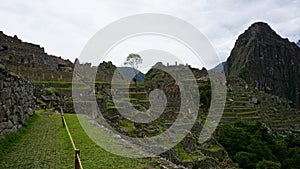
(94, 157)
(45, 144)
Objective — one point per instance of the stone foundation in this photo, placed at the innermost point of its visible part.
(16, 101)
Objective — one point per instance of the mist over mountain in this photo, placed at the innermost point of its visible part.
(131, 73)
(219, 68)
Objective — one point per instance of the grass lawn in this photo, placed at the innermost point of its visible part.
(92, 156)
(44, 143)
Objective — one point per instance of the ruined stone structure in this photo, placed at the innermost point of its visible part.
(32, 62)
(16, 101)
(29, 54)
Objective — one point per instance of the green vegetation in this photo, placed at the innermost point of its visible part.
(252, 146)
(131, 99)
(70, 88)
(215, 148)
(205, 94)
(53, 82)
(183, 154)
(112, 107)
(50, 90)
(6, 143)
(64, 82)
(93, 156)
(44, 143)
(144, 101)
(128, 125)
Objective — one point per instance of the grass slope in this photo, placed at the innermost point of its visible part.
(44, 143)
(92, 156)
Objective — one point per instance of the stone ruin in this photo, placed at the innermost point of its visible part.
(16, 101)
(23, 55)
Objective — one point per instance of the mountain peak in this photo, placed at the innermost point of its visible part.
(261, 57)
(261, 30)
(260, 25)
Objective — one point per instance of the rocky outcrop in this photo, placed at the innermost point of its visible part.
(16, 101)
(264, 59)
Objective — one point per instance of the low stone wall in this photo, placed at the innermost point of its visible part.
(83, 107)
(16, 101)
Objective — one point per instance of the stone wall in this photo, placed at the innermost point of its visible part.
(84, 107)
(16, 101)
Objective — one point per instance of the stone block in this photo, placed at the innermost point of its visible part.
(9, 124)
(2, 115)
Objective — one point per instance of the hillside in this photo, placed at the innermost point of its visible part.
(246, 103)
(267, 61)
(256, 111)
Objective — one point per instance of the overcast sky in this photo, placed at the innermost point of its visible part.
(63, 27)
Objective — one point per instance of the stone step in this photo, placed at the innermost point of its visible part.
(228, 119)
(252, 118)
(238, 110)
(229, 114)
(247, 114)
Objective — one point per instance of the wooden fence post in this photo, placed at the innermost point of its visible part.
(63, 121)
(77, 154)
(62, 116)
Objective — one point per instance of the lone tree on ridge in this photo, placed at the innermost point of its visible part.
(134, 60)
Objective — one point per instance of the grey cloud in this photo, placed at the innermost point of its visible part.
(63, 27)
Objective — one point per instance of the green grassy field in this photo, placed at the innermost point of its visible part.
(44, 143)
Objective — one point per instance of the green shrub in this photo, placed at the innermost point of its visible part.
(252, 146)
(245, 159)
(8, 141)
(264, 164)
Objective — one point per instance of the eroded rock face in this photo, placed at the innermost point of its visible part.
(264, 59)
(16, 102)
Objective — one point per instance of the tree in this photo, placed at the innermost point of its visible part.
(264, 164)
(134, 60)
(245, 159)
